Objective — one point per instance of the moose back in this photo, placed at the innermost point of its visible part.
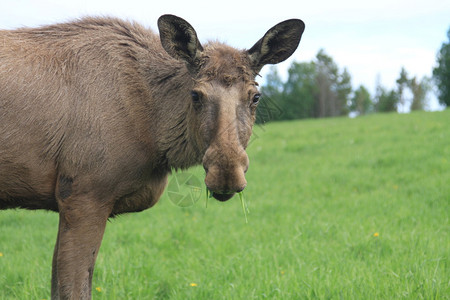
(94, 114)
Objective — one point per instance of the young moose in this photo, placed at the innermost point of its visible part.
(94, 114)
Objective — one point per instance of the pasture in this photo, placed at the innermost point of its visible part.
(339, 209)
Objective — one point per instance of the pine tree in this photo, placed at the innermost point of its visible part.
(441, 74)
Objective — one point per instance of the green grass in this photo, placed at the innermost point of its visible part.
(339, 209)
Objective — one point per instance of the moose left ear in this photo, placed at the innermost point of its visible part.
(277, 44)
(179, 39)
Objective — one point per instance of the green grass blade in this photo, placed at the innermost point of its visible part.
(244, 206)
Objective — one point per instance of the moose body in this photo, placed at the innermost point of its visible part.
(95, 113)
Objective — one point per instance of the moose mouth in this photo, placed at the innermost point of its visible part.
(222, 196)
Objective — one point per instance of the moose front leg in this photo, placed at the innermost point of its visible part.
(82, 222)
(55, 293)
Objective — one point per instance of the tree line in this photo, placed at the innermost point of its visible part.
(319, 89)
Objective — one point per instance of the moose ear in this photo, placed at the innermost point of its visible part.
(179, 39)
(277, 44)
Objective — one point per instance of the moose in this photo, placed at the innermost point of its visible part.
(96, 113)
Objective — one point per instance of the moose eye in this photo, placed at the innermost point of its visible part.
(197, 103)
(256, 98)
(195, 97)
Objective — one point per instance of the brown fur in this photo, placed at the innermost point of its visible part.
(95, 113)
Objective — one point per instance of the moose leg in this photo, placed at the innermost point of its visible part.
(82, 223)
(55, 293)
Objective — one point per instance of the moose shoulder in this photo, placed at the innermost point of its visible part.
(95, 113)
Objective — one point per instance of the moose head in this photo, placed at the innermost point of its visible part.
(224, 96)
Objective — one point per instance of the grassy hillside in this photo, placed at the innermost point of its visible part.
(339, 209)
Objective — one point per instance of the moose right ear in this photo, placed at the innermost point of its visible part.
(277, 44)
(179, 39)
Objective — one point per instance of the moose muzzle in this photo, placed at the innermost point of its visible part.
(225, 171)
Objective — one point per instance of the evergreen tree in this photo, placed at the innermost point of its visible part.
(361, 101)
(402, 84)
(386, 101)
(344, 89)
(299, 91)
(441, 74)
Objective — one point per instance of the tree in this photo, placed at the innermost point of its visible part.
(344, 89)
(270, 107)
(387, 101)
(402, 84)
(419, 91)
(361, 101)
(441, 73)
(333, 88)
(274, 84)
(313, 89)
(326, 74)
(299, 91)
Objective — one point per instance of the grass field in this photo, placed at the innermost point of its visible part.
(339, 209)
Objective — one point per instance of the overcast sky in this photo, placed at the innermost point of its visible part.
(369, 38)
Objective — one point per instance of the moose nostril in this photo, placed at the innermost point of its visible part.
(241, 188)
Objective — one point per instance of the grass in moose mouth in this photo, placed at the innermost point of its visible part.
(244, 206)
(209, 194)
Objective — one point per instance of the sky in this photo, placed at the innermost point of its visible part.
(372, 39)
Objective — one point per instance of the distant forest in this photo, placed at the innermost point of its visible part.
(320, 89)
